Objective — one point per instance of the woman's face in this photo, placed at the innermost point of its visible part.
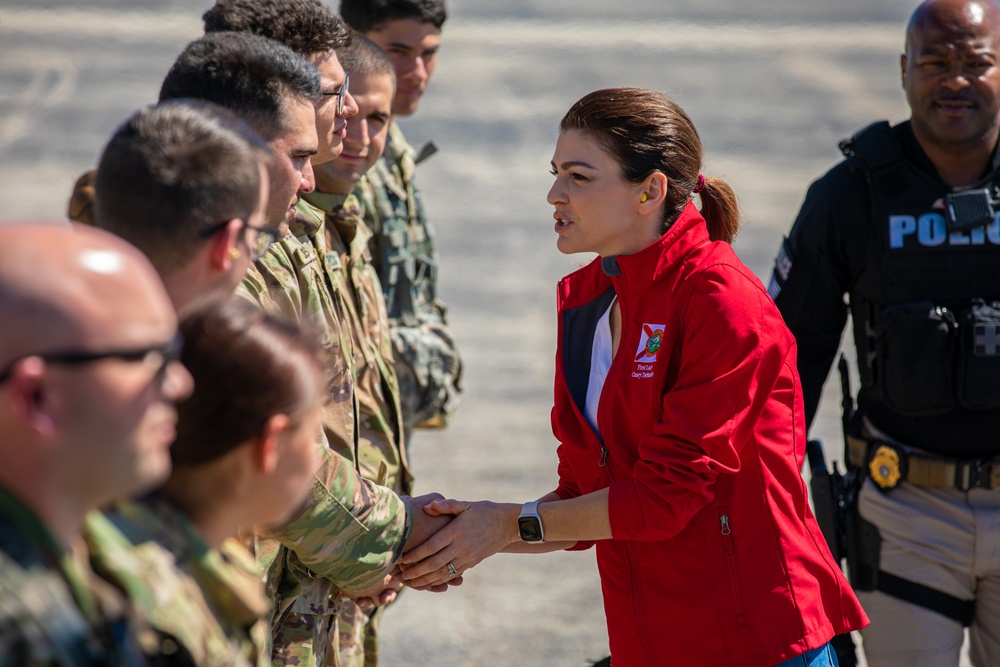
(597, 210)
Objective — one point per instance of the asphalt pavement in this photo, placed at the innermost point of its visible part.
(772, 87)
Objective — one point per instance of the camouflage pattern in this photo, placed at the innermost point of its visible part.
(289, 281)
(350, 532)
(53, 610)
(343, 246)
(211, 600)
(341, 241)
(427, 362)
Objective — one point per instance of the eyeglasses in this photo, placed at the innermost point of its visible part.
(157, 356)
(341, 94)
(262, 240)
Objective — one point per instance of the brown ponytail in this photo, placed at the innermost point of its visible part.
(720, 209)
(646, 132)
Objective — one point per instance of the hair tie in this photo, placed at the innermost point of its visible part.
(701, 184)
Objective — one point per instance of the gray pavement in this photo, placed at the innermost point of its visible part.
(771, 85)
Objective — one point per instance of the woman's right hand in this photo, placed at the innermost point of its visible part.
(479, 530)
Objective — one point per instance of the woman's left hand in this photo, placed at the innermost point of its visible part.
(479, 530)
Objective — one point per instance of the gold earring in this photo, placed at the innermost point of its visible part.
(234, 253)
(644, 198)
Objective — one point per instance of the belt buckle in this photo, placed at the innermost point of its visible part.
(975, 474)
(887, 466)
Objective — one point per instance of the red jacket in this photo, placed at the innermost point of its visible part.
(716, 557)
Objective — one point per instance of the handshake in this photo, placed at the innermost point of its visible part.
(447, 538)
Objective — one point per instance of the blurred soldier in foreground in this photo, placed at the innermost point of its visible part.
(907, 227)
(88, 378)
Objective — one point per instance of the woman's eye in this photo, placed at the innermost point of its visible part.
(553, 172)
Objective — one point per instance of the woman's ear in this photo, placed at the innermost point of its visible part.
(222, 245)
(268, 445)
(654, 192)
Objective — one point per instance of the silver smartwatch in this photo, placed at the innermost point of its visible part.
(529, 523)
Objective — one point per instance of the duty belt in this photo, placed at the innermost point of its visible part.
(889, 465)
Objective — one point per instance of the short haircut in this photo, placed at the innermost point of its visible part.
(247, 367)
(250, 75)
(367, 15)
(173, 170)
(304, 26)
(364, 56)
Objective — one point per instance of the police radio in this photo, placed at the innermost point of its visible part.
(969, 209)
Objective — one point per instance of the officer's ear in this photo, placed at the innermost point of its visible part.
(30, 395)
(223, 245)
(902, 69)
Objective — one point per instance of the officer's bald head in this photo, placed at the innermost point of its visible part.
(66, 284)
(88, 378)
(954, 16)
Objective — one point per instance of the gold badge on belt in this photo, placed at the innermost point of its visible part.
(887, 467)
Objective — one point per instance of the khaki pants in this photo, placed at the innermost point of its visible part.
(948, 540)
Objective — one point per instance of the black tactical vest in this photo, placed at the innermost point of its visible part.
(927, 327)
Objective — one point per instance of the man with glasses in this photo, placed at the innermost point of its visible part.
(343, 243)
(88, 379)
(307, 275)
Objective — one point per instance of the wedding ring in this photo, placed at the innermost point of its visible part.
(452, 572)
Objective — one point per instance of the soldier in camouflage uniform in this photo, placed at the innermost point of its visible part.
(80, 298)
(315, 559)
(341, 240)
(428, 364)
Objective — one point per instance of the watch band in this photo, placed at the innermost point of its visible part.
(529, 523)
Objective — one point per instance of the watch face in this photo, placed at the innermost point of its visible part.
(530, 528)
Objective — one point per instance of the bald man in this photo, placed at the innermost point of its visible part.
(905, 227)
(88, 381)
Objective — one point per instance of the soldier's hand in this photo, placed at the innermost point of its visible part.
(378, 595)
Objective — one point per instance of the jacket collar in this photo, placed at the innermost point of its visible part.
(641, 270)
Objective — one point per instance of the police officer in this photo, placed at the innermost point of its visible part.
(905, 227)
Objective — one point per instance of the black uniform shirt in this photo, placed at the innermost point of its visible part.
(821, 262)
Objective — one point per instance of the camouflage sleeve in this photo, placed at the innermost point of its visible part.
(348, 531)
(429, 370)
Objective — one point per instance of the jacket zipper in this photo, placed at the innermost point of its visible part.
(727, 541)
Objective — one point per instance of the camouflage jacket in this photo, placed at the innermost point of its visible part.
(341, 243)
(289, 281)
(53, 610)
(427, 361)
(210, 600)
(349, 532)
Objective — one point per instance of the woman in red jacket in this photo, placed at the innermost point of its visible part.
(679, 413)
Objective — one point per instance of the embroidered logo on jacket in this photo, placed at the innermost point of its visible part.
(649, 344)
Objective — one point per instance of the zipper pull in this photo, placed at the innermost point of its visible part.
(726, 530)
(604, 456)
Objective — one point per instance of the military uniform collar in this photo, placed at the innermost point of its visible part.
(226, 575)
(307, 220)
(344, 210)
